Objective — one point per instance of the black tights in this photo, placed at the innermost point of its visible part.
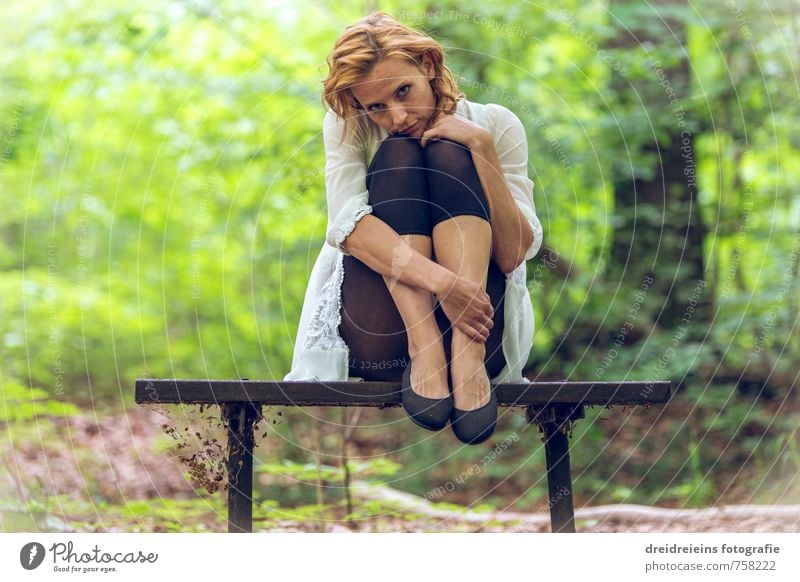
(412, 189)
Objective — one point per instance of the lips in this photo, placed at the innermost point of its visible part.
(409, 129)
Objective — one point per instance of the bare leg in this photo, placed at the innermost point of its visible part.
(463, 245)
(425, 347)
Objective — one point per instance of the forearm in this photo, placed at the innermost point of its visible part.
(377, 245)
(511, 233)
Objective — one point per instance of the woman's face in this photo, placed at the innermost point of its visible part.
(397, 95)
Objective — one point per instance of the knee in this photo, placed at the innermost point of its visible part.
(454, 185)
(448, 157)
(398, 191)
(399, 151)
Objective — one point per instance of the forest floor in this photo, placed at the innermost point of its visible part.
(87, 460)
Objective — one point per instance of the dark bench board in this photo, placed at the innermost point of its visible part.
(384, 394)
(553, 406)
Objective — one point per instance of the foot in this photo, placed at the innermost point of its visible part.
(471, 385)
(429, 372)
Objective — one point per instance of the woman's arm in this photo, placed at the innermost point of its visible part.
(502, 169)
(466, 304)
(377, 245)
(352, 228)
(345, 181)
(511, 233)
(354, 231)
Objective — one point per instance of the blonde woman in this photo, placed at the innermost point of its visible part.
(431, 218)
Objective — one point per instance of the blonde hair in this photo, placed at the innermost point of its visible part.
(365, 43)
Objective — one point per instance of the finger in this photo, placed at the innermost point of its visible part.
(481, 318)
(484, 333)
(472, 332)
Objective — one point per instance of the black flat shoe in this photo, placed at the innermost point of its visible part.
(472, 427)
(430, 413)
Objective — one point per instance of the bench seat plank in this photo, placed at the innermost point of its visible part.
(387, 394)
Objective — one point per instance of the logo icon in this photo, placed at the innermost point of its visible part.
(31, 555)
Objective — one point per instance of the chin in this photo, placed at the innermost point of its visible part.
(420, 128)
(416, 132)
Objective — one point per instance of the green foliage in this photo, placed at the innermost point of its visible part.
(62, 513)
(22, 404)
(311, 472)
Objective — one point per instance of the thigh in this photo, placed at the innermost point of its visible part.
(496, 289)
(371, 325)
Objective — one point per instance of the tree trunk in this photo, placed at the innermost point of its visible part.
(658, 231)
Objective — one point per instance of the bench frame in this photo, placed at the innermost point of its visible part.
(553, 406)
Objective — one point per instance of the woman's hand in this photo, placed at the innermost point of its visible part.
(455, 128)
(467, 306)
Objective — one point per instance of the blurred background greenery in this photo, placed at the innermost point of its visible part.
(162, 195)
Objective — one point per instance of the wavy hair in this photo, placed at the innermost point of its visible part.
(362, 45)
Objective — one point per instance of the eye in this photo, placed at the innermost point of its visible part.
(401, 92)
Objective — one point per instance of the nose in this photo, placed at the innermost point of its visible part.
(399, 116)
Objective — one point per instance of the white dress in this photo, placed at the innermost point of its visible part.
(319, 351)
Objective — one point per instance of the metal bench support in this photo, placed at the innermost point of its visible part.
(556, 422)
(240, 418)
(553, 406)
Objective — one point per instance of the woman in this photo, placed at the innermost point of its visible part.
(430, 222)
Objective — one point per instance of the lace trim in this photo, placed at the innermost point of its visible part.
(323, 330)
(517, 277)
(348, 225)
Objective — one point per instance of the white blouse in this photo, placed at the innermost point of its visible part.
(319, 352)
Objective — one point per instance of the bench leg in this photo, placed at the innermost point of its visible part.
(559, 479)
(240, 417)
(552, 421)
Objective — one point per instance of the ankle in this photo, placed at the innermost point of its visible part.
(424, 346)
(468, 369)
(464, 347)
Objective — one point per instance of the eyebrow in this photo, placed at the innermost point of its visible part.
(396, 89)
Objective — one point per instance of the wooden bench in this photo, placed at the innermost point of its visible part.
(553, 406)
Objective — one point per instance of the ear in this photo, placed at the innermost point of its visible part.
(427, 66)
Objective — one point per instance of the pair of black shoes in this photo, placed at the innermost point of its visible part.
(471, 427)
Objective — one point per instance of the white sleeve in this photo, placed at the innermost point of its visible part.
(512, 149)
(345, 182)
